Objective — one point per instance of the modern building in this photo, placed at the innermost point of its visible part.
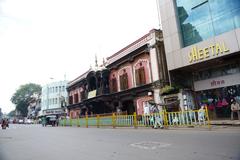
(54, 98)
(130, 78)
(202, 45)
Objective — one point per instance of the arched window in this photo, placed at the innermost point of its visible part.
(113, 84)
(124, 80)
(76, 98)
(92, 83)
(140, 75)
(70, 101)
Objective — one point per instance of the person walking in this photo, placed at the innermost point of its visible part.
(157, 117)
(158, 121)
(201, 113)
(235, 108)
(57, 121)
(44, 121)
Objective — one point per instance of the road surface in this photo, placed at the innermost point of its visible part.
(34, 142)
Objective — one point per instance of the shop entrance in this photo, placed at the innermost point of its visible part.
(174, 107)
(218, 101)
(128, 106)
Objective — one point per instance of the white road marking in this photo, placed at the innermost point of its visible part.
(150, 145)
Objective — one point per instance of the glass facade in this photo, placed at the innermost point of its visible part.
(203, 19)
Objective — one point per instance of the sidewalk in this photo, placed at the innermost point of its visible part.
(225, 122)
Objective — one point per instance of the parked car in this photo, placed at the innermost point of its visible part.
(29, 121)
(20, 121)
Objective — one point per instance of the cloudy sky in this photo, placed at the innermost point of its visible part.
(40, 39)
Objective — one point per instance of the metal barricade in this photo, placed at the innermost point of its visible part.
(188, 118)
(167, 119)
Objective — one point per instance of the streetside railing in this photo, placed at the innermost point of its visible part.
(191, 118)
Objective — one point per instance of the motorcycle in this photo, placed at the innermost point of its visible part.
(4, 125)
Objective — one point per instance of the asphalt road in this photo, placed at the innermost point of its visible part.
(33, 142)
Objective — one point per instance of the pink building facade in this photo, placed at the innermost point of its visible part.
(125, 83)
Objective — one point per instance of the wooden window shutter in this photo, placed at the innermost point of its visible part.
(70, 99)
(111, 85)
(121, 83)
(142, 76)
(75, 98)
(137, 77)
(125, 81)
(114, 85)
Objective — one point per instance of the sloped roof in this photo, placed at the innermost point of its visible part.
(131, 47)
(79, 78)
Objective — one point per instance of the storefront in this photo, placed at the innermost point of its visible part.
(203, 50)
(217, 91)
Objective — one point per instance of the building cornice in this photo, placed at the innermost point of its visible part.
(131, 47)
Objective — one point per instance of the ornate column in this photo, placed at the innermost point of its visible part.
(154, 66)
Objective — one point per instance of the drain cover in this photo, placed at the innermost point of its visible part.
(150, 145)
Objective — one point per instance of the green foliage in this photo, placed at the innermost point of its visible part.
(12, 113)
(22, 96)
(169, 89)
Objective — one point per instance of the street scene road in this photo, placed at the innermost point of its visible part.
(34, 142)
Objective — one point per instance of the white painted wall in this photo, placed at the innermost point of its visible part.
(48, 94)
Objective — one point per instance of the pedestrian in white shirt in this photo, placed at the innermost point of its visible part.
(235, 109)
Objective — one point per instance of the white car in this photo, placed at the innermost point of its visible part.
(29, 121)
(20, 121)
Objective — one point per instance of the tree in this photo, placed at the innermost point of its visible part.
(23, 95)
(11, 114)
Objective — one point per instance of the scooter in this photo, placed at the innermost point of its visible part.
(4, 126)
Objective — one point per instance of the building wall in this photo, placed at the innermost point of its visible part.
(144, 52)
(74, 92)
(145, 60)
(52, 93)
(141, 102)
(74, 113)
(130, 68)
(179, 56)
(202, 39)
(1, 113)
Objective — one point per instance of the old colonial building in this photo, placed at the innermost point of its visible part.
(128, 79)
(88, 92)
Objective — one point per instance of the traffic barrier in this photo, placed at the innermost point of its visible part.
(124, 120)
(191, 118)
(149, 120)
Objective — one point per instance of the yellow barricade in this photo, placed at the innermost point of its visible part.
(162, 119)
(188, 118)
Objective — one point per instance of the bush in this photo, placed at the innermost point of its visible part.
(169, 90)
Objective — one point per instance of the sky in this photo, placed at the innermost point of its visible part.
(44, 39)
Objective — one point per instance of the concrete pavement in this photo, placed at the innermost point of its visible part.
(225, 122)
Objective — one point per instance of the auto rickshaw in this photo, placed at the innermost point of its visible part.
(49, 120)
